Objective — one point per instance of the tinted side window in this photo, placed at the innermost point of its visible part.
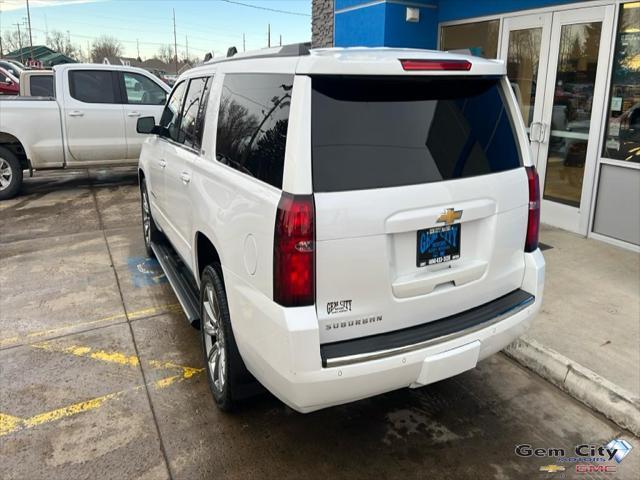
(92, 86)
(141, 90)
(252, 124)
(193, 113)
(172, 112)
(42, 86)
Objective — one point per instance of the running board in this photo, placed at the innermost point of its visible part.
(180, 280)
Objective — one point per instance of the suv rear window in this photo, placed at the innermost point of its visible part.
(374, 132)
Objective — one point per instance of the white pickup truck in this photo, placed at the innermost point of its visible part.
(90, 122)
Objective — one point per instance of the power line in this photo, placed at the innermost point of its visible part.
(258, 7)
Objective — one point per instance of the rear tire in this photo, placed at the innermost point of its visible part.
(149, 229)
(226, 372)
(10, 174)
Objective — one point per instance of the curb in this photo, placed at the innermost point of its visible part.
(586, 386)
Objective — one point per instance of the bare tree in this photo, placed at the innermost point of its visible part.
(12, 41)
(105, 46)
(166, 54)
(191, 59)
(60, 42)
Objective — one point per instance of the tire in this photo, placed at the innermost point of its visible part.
(227, 375)
(149, 229)
(10, 174)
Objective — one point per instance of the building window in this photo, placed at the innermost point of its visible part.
(622, 140)
(480, 38)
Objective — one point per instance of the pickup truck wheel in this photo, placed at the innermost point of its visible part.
(225, 368)
(149, 229)
(10, 174)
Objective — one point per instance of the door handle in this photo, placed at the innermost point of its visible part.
(133, 114)
(535, 127)
(185, 177)
(540, 132)
(76, 113)
(543, 132)
(162, 163)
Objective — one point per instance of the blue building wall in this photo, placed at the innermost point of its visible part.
(460, 9)
(400, 33)
(375, 23)
(364, 27)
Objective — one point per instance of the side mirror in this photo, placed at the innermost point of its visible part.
(147, 125)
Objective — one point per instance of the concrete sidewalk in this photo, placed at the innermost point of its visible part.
(586, 339)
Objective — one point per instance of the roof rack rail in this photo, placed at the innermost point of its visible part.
(291, 50)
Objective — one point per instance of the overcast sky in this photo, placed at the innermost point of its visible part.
(207, 24)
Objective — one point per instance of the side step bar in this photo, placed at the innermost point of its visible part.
(180, 279)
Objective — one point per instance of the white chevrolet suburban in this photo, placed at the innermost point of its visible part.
(85, 117)
(344, 222)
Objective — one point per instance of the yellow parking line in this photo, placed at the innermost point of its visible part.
(113, 357)
(10, 424)
(173, 307)
(83, 351)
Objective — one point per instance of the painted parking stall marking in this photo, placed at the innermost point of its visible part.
(12, 424)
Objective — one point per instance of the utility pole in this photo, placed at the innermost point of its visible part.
(186, 39)
(46, 29)
(243, 43)
(30, 36)
(269, 35)
(1, 51)
(20, 42)
(138, 48)
(280, 39)
(175, 40)
(89, 59)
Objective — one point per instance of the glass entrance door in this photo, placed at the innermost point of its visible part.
(557, 63)
(571, 114)
(525, 50)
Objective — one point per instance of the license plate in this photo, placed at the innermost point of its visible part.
(438, 245)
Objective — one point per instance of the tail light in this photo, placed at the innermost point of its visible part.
(533, 224)
(411, 65)
(294, 251)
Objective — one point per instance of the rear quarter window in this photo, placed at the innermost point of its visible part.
(252, 124)
(377, 132)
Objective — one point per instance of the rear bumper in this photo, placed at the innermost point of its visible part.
(282, 350)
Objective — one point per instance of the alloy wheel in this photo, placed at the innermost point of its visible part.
(214, 342)
(6, 174)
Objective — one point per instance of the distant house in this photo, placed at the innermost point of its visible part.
(41, 53)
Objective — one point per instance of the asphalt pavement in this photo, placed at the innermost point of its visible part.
(101, 376)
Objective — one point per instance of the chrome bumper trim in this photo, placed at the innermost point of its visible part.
(366, 357)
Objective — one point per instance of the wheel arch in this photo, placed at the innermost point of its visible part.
(14, 145)
(206, 253)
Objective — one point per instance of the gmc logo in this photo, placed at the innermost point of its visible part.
(595, 468)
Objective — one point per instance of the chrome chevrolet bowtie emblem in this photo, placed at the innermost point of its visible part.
(552, 468)
(449, 216)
